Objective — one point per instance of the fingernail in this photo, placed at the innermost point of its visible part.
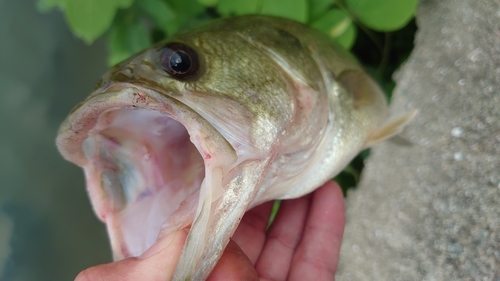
(161, 244)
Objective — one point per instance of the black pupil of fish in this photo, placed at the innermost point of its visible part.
(180, 62)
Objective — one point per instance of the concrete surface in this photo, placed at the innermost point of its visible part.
(431, 211)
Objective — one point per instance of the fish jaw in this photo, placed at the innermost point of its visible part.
(127, 141)
(241, 191)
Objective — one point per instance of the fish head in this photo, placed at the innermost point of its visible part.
(180, 136)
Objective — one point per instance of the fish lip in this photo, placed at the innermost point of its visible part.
(84, 118)
(135, 95)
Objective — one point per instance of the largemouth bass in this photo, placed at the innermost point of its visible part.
(214, 121)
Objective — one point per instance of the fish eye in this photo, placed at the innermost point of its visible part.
(179, 60)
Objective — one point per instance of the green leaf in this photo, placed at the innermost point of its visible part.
(89, 19)
(208, 3)
(353, 172)
(318, 7)
(365, 153)
(338, 25)
(237, 7)
(274, 212)
(126, 39)
(383, 15)
(292, 9)
(159, 11)
(346, 181)
(350, 176)
(185, 11)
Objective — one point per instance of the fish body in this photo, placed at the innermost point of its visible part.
(212, 122)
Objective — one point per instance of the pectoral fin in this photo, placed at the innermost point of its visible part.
(389, 129)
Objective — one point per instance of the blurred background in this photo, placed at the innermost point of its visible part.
(52, 52)
(47, 228)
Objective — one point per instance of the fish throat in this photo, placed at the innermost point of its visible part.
(148, 168)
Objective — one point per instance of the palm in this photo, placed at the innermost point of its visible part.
(302, 244)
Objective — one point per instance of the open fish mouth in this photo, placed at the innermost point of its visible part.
(148, 168)
(145, 160)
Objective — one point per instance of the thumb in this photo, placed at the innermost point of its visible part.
(157, 263)
(234, 265)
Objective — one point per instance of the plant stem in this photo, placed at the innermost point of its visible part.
(385, 55)
(365, 29)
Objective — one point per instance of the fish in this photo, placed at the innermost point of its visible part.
(199, 128)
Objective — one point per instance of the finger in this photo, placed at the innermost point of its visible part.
(282, 239)
(251, 233)
(233, 265)
(318, 251)
(158, 263)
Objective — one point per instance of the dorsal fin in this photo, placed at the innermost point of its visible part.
(390, 129)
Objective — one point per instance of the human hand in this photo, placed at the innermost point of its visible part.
(303, 243)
